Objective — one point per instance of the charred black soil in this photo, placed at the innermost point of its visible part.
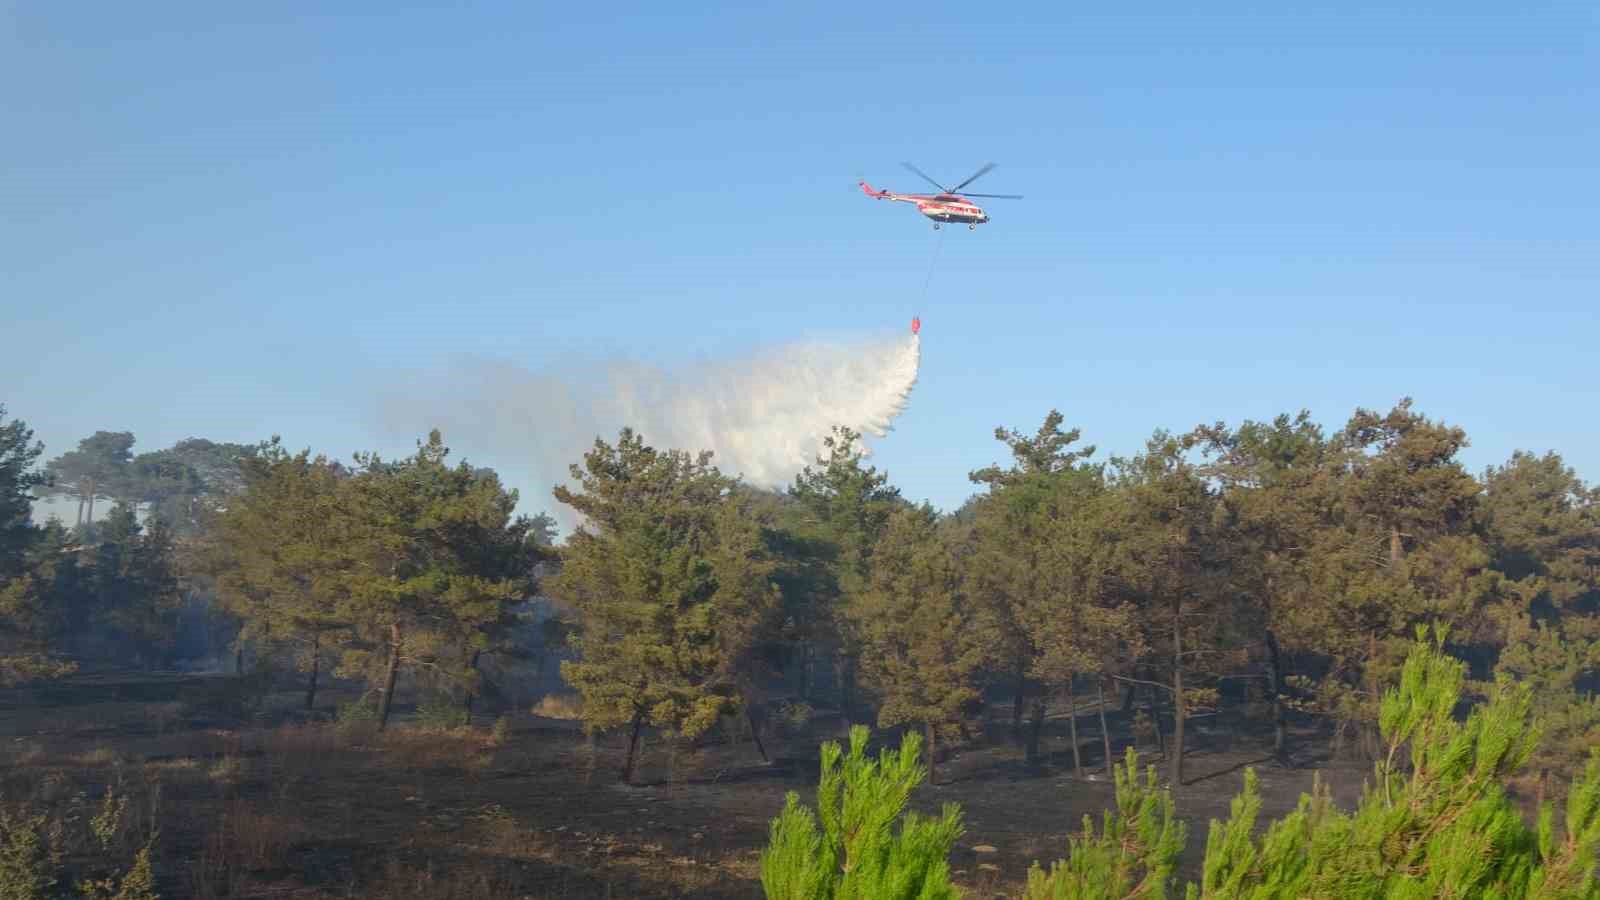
(267, 802)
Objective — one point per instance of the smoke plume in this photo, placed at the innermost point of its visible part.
(764, 416)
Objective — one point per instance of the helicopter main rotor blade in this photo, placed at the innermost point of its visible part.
(925, 177)
(996, 196)
(976, 175)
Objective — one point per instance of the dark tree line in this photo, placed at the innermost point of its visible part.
(106, 589)
(1273, 563)
(173, 484)
(373, 569)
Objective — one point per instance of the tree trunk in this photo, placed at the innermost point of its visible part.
(316, 664)
(1153, 703)
(1372, 663)
(1396, 547)
(1105, 733)
(755, 733)
(849, 689)
(844, 674)
(472, 692)
(805, 670)
(933, 752)
(1072, 729)
(1369, 729)
(1275, 697)
(750, 719)
(1020, 698)
(633, 747)
(387, 699)
(80, 511)
(1035, 730)
(238, 660)
(1177, 690)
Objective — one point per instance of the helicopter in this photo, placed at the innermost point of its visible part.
(949, 205)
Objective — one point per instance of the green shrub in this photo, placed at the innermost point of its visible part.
(439, 712)
(356, 713)
(107, 823)
(71, 844)
(1134, 855)
(849, 847)
(1436, 822)
(1441, 825)
(27, 871)
(138, 883)
(792, 718)
(501, 732)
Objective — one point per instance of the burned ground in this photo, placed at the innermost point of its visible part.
(266, 802)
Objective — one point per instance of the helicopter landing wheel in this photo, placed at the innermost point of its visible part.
(972, 227)
(936, 226)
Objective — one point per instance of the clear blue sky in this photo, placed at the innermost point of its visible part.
(231, 222)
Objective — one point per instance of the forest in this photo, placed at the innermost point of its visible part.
(1322, 594)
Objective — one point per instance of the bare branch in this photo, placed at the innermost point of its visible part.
(1165, 687)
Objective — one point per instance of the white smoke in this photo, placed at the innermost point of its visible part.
(763, 416)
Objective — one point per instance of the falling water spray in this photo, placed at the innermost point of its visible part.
(764, 416)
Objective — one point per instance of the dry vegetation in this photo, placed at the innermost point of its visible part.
(315, 809)
(513, 807)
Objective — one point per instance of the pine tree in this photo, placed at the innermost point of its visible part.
(435, 559)
(670, 581)
(920, 650)
(1553, 661)
(184, 483)
(751, 604)
(1014, 576)
(848, 506)
(29, 649)
(1436, 822)
(1083, 622)
(1133, 857)
(30, 618)
(1542, 522)
(1542, 525)
(1038, 574)
(1276, 480)
(1167, 560)
(133, 576)
(850, 848)
(1406, 553)
(279, 556)
(18, 479)
(98, 469)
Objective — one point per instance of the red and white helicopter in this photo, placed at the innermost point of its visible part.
(949, 205)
